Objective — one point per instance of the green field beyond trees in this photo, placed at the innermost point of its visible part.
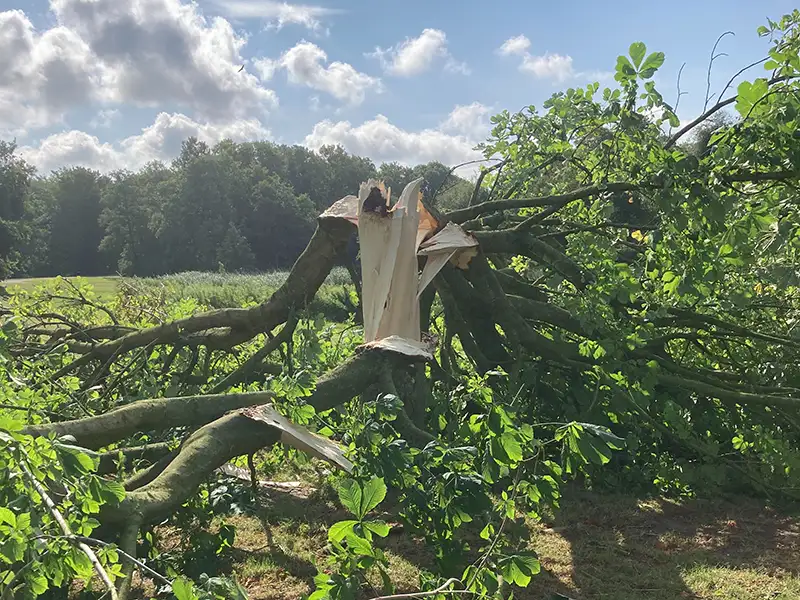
(605, 403)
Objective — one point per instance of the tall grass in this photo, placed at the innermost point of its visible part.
(222, 290)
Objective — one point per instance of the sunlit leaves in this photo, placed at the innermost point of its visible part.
(749, 94)
(520, 568)
(637, 65)
(359, 498)
(637, 52)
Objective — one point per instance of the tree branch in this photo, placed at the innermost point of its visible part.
(471, 212)
(149, 415)
(716, 108)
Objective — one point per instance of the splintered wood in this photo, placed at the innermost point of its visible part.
(391, 239)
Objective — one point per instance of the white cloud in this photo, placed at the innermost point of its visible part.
(162, 140)
(72, 148)
(165, 51)
(546, 66)
(278, 14)
(159, 141)
(451, 143)
(549, 66)
(516, 45)
(43, 75)
(304, 65)
(471, 120)
(416, 55)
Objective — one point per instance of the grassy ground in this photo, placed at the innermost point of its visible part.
(214, 290)
(597, 548)
(105, 287)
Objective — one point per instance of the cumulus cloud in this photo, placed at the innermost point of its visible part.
(42, 75)
(471, 120)
(555, 67)
(516, 45)
(277, 14)
(160, 141)
(417, 55)
(305, 65)
(165, 51)
(452, 142)
(549, 66)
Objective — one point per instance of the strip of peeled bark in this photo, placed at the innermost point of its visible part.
(149, 415)
(205, 450)
(234, 435)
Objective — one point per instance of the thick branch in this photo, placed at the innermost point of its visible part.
(471, 212)
(713, 391)
(149, 415)
(233, 435)
(756, 176)
(207, 449)
(547, 313)
(299, 289)
(511, 241)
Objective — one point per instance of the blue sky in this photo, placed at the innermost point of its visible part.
(112, 83)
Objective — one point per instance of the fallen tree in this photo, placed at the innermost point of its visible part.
(627, 282)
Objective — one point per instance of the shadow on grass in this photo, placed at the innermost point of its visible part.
(598, 547)
(603, 547)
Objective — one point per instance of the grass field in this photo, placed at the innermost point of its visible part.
(105, 287)
(213, 290)
(597, 547)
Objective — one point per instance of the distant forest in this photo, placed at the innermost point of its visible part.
(233, 207)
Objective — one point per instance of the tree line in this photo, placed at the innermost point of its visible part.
(232, 206)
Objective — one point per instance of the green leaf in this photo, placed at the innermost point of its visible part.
(7, 516)
(350, 496)
(748, 94)
(379, 528)
(183, 589)
(637, 52)
(605, 434)
(624, 69)
(373, 494)
(511, 446)
(113, 491)
(359, 545)
(519, 569)
(651, 65)
(338, 531)
(37, 581)
(673, 119)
